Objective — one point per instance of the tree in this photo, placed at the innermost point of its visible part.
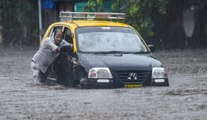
(139, 12)
(99, 6)
(17, 19)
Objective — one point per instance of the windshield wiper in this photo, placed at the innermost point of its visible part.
(121, 52)
(140, 52)
(112, 52)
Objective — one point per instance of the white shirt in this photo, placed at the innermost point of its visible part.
(47, 54)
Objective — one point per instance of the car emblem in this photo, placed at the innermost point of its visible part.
(132, 76)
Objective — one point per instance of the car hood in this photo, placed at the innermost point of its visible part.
(119, 61)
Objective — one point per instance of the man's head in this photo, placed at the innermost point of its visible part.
(58, 36)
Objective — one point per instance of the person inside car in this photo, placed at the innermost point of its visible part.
(46, 55)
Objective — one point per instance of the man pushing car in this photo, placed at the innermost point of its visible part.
(46, 55)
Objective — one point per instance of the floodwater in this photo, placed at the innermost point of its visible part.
(185, 99)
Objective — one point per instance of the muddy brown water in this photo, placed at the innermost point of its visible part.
(185, 99)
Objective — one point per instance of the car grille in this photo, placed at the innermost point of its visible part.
(133, 76)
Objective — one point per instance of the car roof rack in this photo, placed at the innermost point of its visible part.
(67, 15)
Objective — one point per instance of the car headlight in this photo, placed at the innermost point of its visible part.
(159, 72)
(101, 72)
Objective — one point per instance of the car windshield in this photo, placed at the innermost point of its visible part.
(109, 39)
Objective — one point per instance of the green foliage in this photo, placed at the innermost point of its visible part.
(9, 19)
(16, 16)
(99, 5)
(95, 5)
(139, 12)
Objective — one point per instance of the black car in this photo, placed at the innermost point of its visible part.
(110, 57)
(104, 54)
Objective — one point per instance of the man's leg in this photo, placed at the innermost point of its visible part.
(58, 70)
(36, 72)
(43, 76)
(63, 69)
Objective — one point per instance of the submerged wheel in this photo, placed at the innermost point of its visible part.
(65, 79)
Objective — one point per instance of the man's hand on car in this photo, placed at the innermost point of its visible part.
(58, 50)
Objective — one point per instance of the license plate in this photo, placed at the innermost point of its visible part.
(133, 85)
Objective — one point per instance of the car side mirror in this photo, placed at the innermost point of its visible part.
(152, 48)
(66, 49)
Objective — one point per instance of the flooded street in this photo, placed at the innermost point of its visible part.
(185, 99)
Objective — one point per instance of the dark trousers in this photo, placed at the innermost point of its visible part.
(63, 68)
(43, 76)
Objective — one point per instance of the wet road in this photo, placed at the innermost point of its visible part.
(185, 99)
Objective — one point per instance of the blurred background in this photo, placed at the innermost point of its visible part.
(167, 24)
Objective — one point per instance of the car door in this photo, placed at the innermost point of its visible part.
(67, 35)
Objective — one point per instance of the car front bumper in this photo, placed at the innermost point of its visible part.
(115, 83)
(160, 82)
(96, 83)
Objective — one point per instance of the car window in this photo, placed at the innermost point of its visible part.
(67, 35)
(54, 29)
(106, 39)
